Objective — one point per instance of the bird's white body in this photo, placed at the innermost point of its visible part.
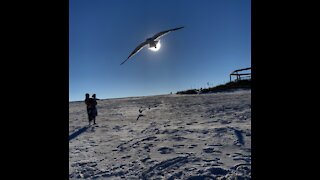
(152, 42)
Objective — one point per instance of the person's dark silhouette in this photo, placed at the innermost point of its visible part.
(91, 108)
(95, 104)
(87, 102)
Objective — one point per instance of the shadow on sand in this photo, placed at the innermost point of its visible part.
(77, 133)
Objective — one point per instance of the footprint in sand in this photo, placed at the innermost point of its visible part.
(192, 146)
(225, 122)
(147, 147)
(125, 157)
(149, 138)
(165, 150)
(204, 131)
(145, 159)
(178, 146)
(208, 150)
(178, 138)
(218, 171)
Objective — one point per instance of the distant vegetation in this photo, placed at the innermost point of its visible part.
(241, 84)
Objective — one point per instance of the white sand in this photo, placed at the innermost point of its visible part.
(204, 136)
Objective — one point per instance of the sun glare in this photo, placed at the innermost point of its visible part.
(156, 49)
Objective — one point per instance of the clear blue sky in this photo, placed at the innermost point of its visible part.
(102, 33)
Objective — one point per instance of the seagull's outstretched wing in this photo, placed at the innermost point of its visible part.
(160, 34)
(136, 50)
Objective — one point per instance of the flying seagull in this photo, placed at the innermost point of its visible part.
(153, 41)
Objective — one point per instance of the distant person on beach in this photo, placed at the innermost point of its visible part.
(95, 104)
(91, 108)
(87, 102)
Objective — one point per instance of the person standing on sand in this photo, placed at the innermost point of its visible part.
(95, 104)
(87, 102)
(91, 108)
